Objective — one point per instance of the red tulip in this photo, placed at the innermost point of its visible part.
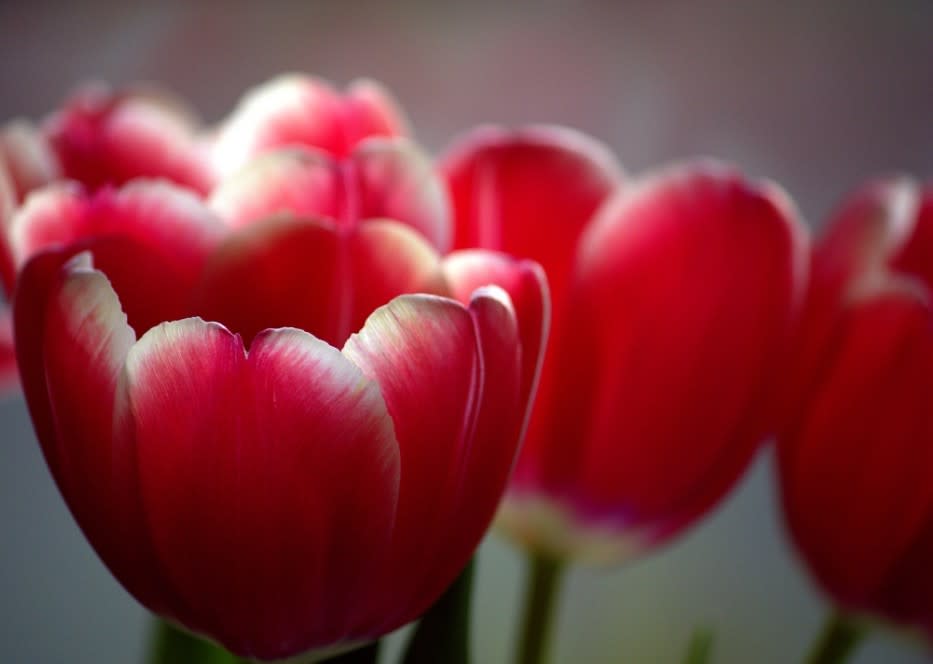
(856, 451)
(673, 305)
(295, 110)
(101, 137)
(279, 489)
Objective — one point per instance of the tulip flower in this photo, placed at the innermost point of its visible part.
(103, 137)
(314, 468)
(296, 110)
(98, 138)
(856, 448)
(673, 300)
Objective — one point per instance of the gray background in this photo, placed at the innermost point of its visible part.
(815, 97)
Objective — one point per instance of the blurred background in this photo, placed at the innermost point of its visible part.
(816, 97)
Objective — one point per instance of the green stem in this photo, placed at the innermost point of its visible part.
(839, 638)
(543, 585)
(443, 634)
(171, 645)
(700, 648)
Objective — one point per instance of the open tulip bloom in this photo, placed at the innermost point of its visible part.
(282, 369)
(314, 469)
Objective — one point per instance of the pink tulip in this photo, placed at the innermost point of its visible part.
(101, 137)
(314, 469)
(673, 301)
(856, 451)
(296, 110)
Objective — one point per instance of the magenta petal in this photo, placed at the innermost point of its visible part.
(27, 157)
(381, 179)
(526, 284)
(105, 138)
(272, 486)
(529, 192)
(295, 110)
(151, 239)
(310, 275)
(72, 341)
(9, 376)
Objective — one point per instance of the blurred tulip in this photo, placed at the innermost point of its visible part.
(102, 137)
(297, 110)
(98, 138)
(279, 489)
(673, 299)
(856, 449)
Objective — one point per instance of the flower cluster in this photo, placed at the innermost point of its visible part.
(286, 370)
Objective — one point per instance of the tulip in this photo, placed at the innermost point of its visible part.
(103, 137)
(98, 138)
(856, 447)
(315, 468)
(296, 110)
(673, 303)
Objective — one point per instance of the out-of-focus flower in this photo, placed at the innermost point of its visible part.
(98, 138)
(856, 449)
(104, 137)
(673, 307)
(296, 110)
(279, 489)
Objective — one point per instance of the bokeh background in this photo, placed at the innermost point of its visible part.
(816, 97)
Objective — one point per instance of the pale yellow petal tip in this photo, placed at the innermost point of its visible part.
(543, 526)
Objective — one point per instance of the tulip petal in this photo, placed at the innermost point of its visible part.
(528, 192)
(72, 343)
(9, 376)
(269, 479)
(307, 274)
(396, 180)
(297, 182)
(106, 138)
(27, 157)
(681, 310)
(856, 449)
(7, 210)
(382, 178)
(433, 405)
(151, 239)
(485, 467)
(294, 110)
(527, 287)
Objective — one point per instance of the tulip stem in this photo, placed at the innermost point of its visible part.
(443, 634)
(171, 645)
(543, 586)
(840, 636)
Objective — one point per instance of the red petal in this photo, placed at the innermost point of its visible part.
(105, 138)
(526, 285)
(9, 376)
(271, 487)
(151, 239)
(529, 193)
(862, 448)
(433, 406)
(7, 210)
(72, 343)
(297, 110)
(28, 157)
(306, 274)
(486, 464)
(382, 178)
(681, 308)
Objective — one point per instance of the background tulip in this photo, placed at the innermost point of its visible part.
(856, 450)
(293, 110)
(672, 310)
(259, 485)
